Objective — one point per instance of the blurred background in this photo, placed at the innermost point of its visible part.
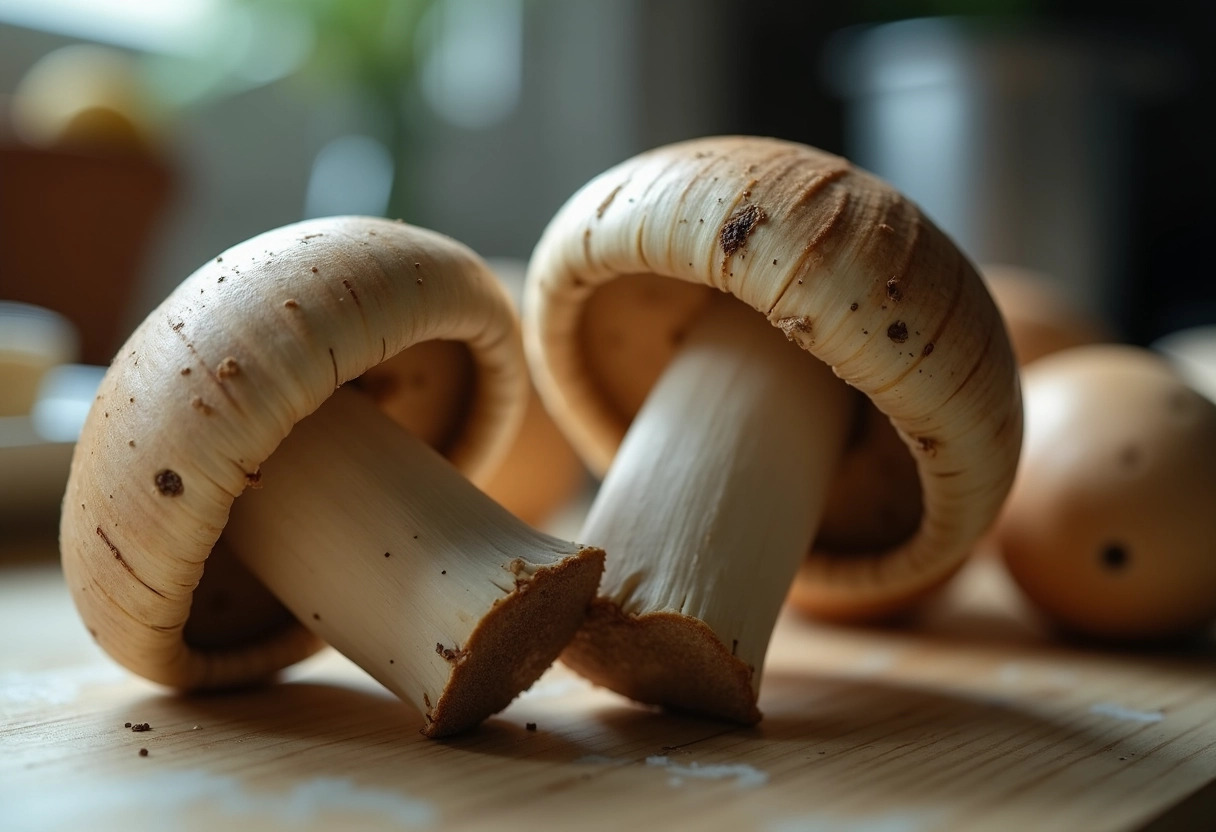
(139, 138)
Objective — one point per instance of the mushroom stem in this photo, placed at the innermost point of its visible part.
(710, 506)
(442, 595)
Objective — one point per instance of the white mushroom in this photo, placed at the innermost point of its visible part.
(715, 495)
(356, 531)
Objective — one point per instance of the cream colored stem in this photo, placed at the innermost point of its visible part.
(716, 492)
(379, 545)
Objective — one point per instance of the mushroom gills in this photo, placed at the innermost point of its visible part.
(355, 517)
(708, 509)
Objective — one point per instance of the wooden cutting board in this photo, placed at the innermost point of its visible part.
(970, 718)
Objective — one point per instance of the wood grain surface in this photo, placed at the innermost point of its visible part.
(969, 718)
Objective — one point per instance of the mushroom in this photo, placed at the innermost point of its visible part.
(1109, 528)
(726, 435)
(351, 530)
(1040, 317)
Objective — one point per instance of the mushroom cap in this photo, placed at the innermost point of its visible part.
(1040, 317)
(1109, 528)
(206, 388)
(849, 270)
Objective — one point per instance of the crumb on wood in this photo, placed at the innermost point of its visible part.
(143, 752)
(139, 727)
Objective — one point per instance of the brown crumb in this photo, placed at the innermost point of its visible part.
(140, 727)
(185, 371)
(143, 752)
(227, 368)
(852, 307)
(291, 303)
(388, 554)
(420, 281)
(443, 571)
(126, 725)
(314, 270)
(531, 726)
(898, 332)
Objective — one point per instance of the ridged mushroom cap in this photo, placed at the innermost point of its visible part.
(213, 380)
(853, 273)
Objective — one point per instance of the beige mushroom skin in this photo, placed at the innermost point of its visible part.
(849, 272)
(1109, 529)
(359, 530)
(1039, 316)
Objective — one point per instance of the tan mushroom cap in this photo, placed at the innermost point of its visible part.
(1109, 528)
(1040, 317)
(213, 380)
(851, 272)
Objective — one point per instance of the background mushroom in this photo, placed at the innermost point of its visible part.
(1040, 317)
(711, 503)
(1109, 528)
(353, 527)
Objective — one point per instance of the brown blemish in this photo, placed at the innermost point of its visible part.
(219, 259)
(426, 700)
(927, 445)
(185, 371)
(354, 295)
(254, 480)
(198, 404)
(893, 290)
(739, 227)
(143, 752)
(177, 327)
(795, 325)
(388, 554)
(220, 279)
(529, 726)
(227, 368)
(313, 270)
(169, 483)
(1114, 556)
(316, 616)
(928, 350)
(898, 332)
(450, 654)
(603, 206)
(118, 557)
(852, 307)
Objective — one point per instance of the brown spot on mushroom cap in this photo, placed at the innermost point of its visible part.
(898, 332)
(1106, 542)
(169, 483)
(739, 227)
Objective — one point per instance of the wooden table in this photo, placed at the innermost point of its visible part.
(970, 719)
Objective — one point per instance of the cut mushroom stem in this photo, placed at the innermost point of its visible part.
(708, 509)
(381, 547)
